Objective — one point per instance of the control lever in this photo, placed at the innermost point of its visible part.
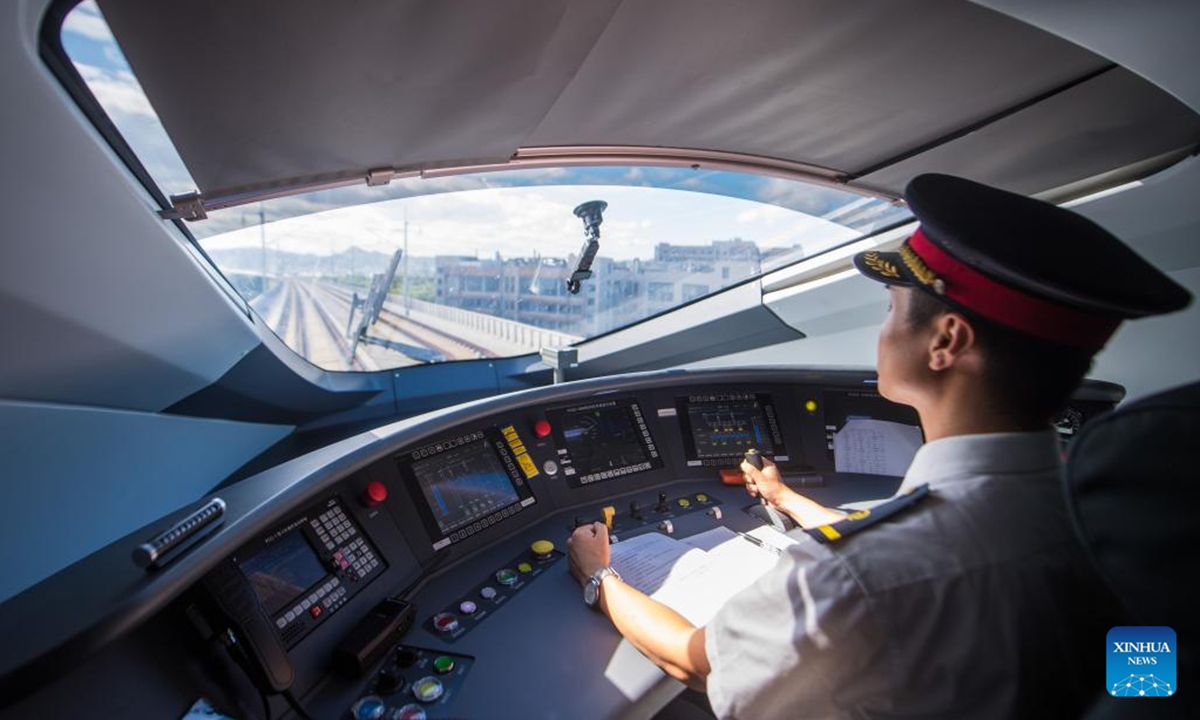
(777, 520)
(662, 506)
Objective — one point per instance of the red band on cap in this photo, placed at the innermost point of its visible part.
(1010, 307)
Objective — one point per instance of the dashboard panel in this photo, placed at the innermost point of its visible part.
(464, 513)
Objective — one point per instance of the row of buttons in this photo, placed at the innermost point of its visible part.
(333, 527)
(773, 424)
(637, 414)
(728, 397)
(443, 446)
(459, 618)
(606, 474)
(484, 523)
(502, 450)
(363, 563)
(323, 595)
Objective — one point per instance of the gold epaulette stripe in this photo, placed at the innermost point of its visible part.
(829, 532)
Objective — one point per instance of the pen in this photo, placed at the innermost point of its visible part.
(761, 543)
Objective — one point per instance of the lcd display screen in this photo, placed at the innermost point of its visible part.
(603, 439)
(719, 428)
(464, 484)
(283, 571)
(728, 428)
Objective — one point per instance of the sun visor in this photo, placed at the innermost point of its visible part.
(834, 85)
(1112, 121)
(260, 97)
(255, 92)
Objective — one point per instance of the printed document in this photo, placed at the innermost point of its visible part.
(696, 576)
(875, 447)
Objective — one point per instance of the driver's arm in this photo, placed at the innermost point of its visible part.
(657, 631)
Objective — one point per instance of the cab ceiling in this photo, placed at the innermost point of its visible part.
(256, 95)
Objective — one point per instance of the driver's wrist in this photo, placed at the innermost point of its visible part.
(589, 574)
(785, 498)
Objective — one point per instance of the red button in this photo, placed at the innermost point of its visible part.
(315, 610)
(376, 493)
(541, 428)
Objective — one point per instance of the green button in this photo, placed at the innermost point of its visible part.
(443, 664)
(506, 577)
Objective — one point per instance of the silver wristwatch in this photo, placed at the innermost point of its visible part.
(591, 591)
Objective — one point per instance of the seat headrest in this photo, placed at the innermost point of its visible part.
(1133, 492)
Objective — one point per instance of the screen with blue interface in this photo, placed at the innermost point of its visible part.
(283, 571)
(729, 427)
(464, 484)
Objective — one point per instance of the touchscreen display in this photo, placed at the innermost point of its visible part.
(283, 571)
(719, 428)
(464, 484)
(727, 428)
(603, 439)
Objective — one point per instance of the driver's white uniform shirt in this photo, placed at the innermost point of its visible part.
(970, 604)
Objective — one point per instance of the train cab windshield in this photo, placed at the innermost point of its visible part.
(483, 258)
(563, 358)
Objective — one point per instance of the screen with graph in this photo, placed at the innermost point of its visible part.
(718, 429)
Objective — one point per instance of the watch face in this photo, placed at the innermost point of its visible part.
(591, 592)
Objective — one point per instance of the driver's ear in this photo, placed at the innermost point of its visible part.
(952, 338)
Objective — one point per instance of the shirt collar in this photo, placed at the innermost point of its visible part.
(962, 457)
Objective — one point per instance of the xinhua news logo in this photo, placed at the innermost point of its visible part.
(1141, 662)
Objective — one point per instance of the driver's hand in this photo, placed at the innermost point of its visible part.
(765, 483)
(588, 550)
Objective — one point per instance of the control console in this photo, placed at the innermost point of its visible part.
(467, 483)
(308, 568)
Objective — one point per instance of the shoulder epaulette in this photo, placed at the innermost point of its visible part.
(863, 519)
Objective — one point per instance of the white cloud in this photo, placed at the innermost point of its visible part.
(522, 222)
(117, 90)
(87, 21)
(768, 214)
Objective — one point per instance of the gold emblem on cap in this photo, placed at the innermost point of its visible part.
(879, 265)
(920, 270)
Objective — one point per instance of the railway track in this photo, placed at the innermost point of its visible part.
(309, 316)
(424, 335)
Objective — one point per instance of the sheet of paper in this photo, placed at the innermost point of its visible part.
(710, 539)
(876, 447)
(731, 567)
(648, 561)
(685, 577)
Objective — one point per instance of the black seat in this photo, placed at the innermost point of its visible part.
(1133, 489)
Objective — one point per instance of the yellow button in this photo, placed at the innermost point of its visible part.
(702, 497)
(811, 406)
(609, 511)
(525, 567)
(527, 466)
(541, 548)
(684, 502)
